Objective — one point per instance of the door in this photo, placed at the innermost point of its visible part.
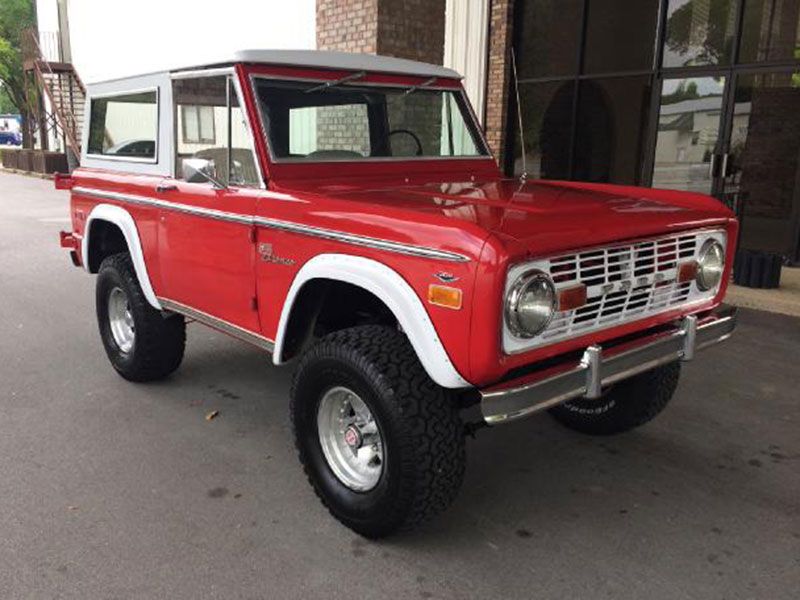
(206, 235)
(760, 170)
(690, 137)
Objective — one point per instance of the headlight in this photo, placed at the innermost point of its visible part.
(530, 304)
(710, 265)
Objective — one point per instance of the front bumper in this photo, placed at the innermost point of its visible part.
(598, 367)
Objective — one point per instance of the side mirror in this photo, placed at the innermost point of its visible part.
(200, 170)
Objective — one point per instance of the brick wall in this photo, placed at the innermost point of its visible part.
(348, 25)
(411, 29)
(498, 77)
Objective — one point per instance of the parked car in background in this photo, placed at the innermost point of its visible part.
(343, 212)
(10, 138)
(133, 148)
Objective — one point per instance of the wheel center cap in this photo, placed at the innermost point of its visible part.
(352, 436)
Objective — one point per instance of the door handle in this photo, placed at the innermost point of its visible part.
(162, 187)
(712, 165)
(724, 170)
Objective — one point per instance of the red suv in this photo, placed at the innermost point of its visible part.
(343, 212)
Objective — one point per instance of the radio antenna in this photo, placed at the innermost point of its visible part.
(524, 175)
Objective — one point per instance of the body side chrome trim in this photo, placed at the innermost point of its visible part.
(330, 234)
(220, 324)
(361, 240)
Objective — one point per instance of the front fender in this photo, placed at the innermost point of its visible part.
(395, 292)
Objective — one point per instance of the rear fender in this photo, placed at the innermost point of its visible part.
(122, 219)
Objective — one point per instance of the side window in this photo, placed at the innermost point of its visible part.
(124, 126)
(211, 135)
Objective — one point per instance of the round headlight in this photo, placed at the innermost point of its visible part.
(710, 265)
(530, 304)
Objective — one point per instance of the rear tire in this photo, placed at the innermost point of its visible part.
(416, 454)
(142, 343)
(626, 405)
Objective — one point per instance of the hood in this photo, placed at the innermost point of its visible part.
(546, 216)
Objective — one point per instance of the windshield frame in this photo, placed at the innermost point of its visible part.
(454, 87)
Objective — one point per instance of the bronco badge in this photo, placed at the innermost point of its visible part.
(265, 252)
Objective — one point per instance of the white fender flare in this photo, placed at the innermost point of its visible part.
(122, 219)
(395, 292)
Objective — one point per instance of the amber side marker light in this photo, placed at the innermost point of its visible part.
(572, 297)
(442, 295)
(687, 271)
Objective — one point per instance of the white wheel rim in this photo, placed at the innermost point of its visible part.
(120, 320)
(350, 439)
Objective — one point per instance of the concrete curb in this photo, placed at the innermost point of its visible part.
(784, 300)
(27, 173)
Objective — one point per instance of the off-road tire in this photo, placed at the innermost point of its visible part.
(626, 405)
(418, 421)
(159, 339)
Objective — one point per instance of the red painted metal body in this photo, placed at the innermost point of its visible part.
(458, 205)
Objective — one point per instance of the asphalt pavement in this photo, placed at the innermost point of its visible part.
(115, 490)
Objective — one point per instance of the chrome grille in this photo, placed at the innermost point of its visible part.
(622, 282)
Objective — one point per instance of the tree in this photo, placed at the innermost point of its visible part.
(15, 17)
(699, 31)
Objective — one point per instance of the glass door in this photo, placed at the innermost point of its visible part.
(688, 134)
(760, 167)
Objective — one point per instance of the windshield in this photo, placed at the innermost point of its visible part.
(310, 122)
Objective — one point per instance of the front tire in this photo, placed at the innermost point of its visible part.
(142, 343)
(626, 405)
(382, 445)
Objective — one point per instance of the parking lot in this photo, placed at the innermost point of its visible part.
(114, 490)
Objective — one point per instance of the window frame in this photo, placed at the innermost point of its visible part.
(476, 131)
(123, 158)
(232, 77)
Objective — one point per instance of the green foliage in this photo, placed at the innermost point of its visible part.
(15, 17)
(701, 40)
(683, 92)
(6, 105)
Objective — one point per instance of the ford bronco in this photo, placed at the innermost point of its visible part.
(344, 213)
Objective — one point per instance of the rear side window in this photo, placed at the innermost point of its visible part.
(124, 126)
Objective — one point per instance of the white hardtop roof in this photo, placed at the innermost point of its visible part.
(344, 61)
(321, 59)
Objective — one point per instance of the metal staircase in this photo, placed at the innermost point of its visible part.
(60, 84)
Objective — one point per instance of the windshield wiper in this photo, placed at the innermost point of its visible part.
(425, 83)
(330, 84)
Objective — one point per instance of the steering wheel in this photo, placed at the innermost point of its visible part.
(413, 135)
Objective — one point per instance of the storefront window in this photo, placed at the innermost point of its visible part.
(619, 35)
(548, 37)
(699, 32)
(770, 30)
(547, 119)
(611, 122)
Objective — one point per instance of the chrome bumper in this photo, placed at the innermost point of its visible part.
(597, 368)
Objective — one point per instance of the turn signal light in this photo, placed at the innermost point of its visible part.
(442, 295)
(572, 297)
(687, 271)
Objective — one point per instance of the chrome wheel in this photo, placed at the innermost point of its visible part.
(120, 320)
(350, 439)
